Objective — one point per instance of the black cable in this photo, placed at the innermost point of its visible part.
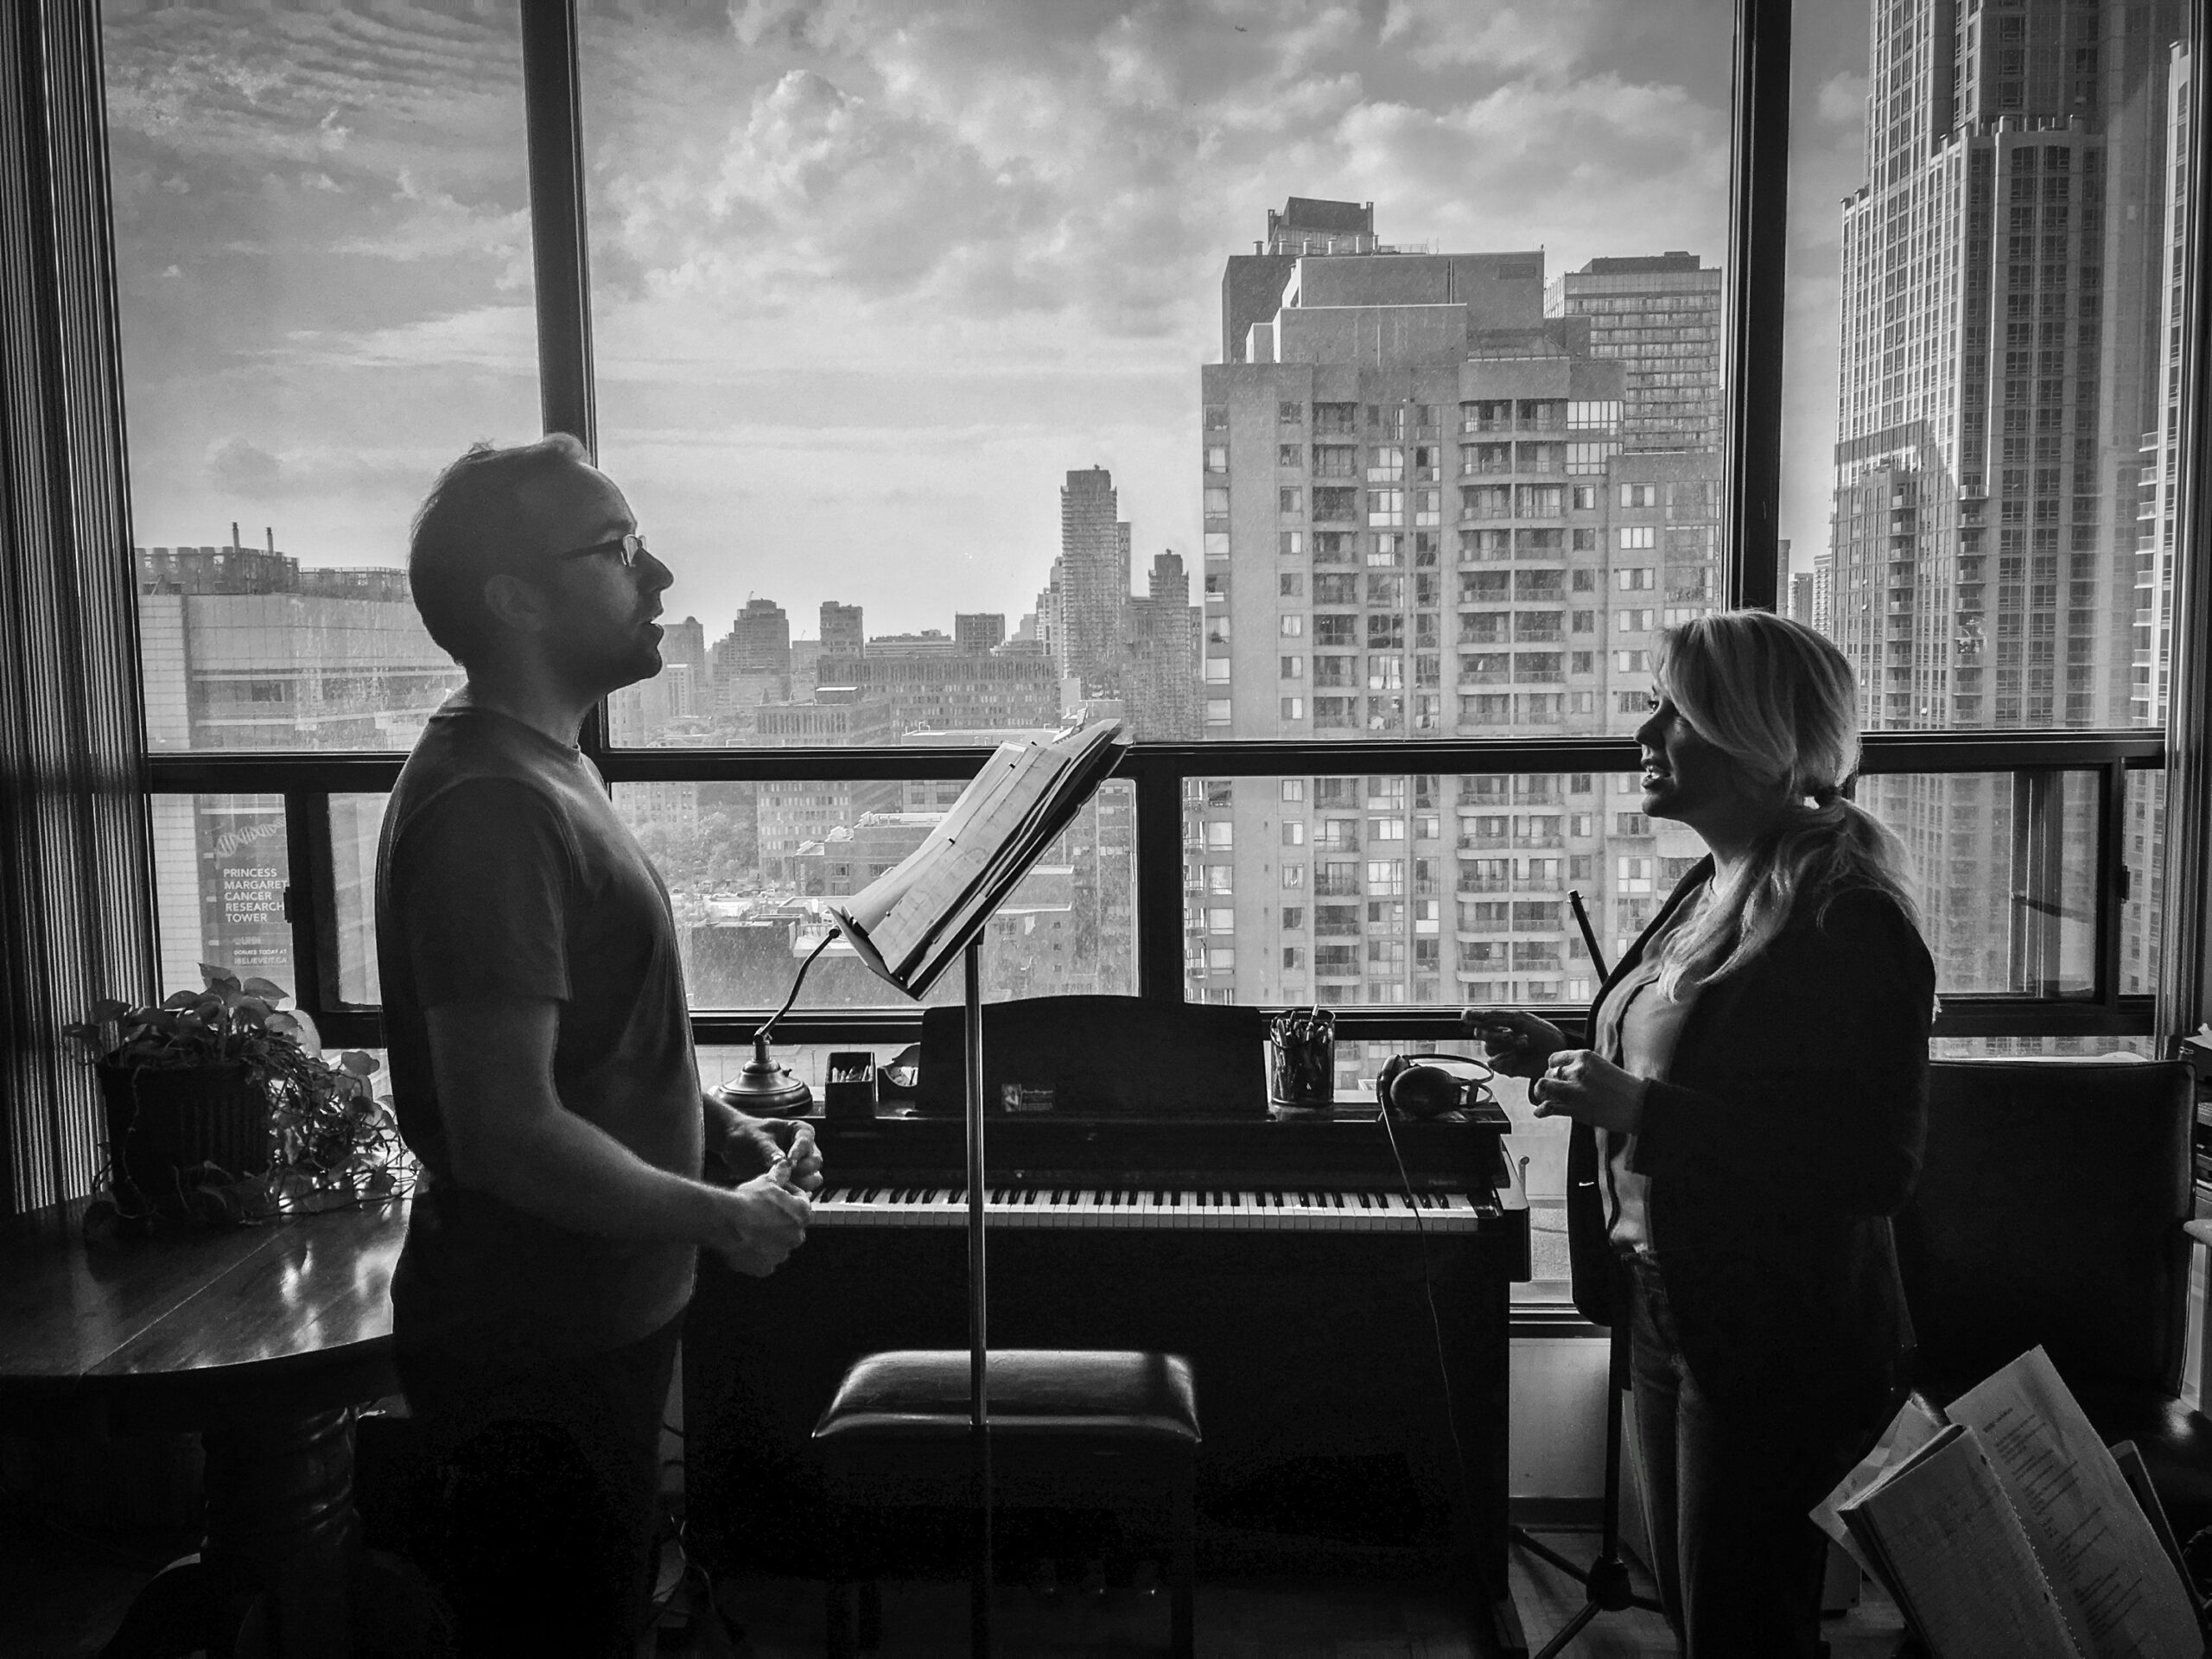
(1436, 1321)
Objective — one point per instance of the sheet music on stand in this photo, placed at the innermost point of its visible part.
(911, 922)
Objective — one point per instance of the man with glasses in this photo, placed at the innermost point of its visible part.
(542, 1068)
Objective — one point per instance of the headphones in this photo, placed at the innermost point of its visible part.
(1429, 1085)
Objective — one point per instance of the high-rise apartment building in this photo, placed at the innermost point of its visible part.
(1160, 682)
(1660, 313)
(1423, 520)
(2003, 274)
(2158, 513)
(1091, 581)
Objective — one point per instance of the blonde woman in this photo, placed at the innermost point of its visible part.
(1750, 1112)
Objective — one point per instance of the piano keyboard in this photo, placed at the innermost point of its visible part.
(1286, 1210)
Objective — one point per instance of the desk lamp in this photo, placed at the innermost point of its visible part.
(763, 1089)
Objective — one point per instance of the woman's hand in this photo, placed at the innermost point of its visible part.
(1579, 1084)
(1518, 1044)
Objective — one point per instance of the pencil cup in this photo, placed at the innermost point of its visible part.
(1302, 1068)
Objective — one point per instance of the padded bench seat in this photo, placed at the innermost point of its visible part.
(1071, 1429)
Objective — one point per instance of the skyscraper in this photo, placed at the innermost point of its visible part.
(1091, 580)
(2158, 513)
(1162, 675)
(1423, 520)
(2001, 285)
(1660, 313)
(760, 638)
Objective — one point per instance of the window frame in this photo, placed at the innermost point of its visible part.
(1752, 316)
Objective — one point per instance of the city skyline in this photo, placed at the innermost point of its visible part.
(1455, 492)
(818, 357)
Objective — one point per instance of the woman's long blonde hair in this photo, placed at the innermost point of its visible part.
(1781, 702)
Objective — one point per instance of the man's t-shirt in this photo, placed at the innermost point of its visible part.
(504, 872)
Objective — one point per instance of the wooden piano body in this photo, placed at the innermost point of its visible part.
(1276, 1254)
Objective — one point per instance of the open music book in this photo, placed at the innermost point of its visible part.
(2005, 1530)
(911, 921)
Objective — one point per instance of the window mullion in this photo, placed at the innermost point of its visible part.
(1758, 233)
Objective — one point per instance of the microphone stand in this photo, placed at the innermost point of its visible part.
(1604, 1581)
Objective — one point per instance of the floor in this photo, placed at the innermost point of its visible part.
(65, 1591)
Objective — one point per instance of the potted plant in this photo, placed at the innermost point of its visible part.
(220, 1108)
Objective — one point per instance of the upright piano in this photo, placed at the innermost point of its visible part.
(1344, 1302)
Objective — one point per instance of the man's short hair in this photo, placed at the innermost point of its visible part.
(473, 524)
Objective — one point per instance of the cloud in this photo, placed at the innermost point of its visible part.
(491, 337)
(1841, 100)
(252, 472)
(425, 222)
(1553, 37)
(867, 252)
(243, 467)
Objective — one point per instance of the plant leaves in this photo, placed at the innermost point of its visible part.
(108, 1008)
(267, 989)
(221, 978)
(182, 998)
(360, 1063)
(281, 1024)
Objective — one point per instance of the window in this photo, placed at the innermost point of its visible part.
(718, 260)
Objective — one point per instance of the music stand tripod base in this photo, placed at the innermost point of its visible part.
(1604, 1581)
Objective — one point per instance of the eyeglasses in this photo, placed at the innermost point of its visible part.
(630, 547)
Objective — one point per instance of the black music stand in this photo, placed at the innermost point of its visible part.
(971, 953)
(1604, 1581)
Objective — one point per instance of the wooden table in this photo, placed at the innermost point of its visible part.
(266, 1340)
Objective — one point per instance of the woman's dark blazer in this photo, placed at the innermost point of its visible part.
(1788, 1126)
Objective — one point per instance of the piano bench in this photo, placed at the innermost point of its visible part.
(1070, 1428)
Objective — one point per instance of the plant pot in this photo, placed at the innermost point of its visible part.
(162, 1122)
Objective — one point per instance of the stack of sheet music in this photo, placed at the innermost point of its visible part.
(911, 921)
(2004, 1530)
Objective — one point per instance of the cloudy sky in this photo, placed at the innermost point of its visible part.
(868, 278)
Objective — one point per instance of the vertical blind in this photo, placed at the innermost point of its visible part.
(76, 912)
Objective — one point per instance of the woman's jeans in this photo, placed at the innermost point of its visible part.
(1740, 1564)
